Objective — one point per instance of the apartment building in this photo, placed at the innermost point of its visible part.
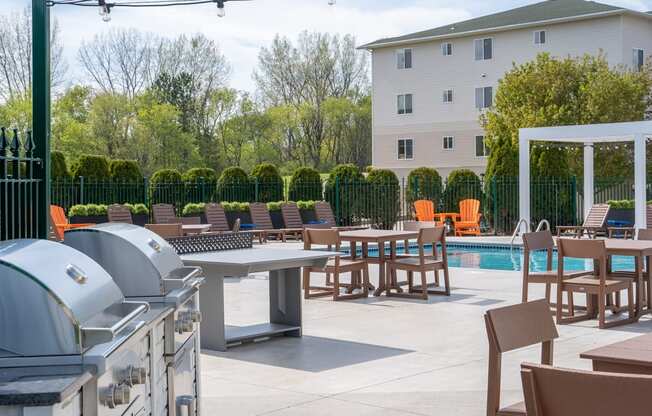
(429, 87)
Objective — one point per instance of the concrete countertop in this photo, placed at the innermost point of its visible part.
(40, 386)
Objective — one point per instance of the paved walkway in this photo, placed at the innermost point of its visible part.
(380, 356)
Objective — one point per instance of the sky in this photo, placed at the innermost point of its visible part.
(250, 25)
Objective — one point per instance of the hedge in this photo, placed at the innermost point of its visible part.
(305, 184)
(344, 185)
(192, 210)
(58, 167)
(235, 206)
(91, 167)
(461, 184)
(383, 193)
(268, 181)
(161, 192)
(208, 175)
(125, 171)
(234, 185)
(424, 183)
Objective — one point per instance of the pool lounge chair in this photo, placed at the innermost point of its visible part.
(325, 215)
(119, 213)
(594, 223)
(469, 219)
(166, 231)
(164, 214)
(263, 221)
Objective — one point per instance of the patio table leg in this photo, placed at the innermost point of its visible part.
(640, 287)
(365, 255)
(382, 284)
(393, 278)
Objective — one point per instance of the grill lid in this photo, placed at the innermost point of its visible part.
(56, 300)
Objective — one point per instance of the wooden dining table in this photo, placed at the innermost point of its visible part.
(380, 238)
(632, 356)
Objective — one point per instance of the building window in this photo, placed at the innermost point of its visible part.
(638, 59)
(449, 142)
(404, 104)
(481, 149)
(540, 37)
(448, 96)
(484, 49)
(405, 149)
(484, 97)
(447, 49)
(404, 58)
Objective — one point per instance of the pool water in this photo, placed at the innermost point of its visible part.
(504, 258)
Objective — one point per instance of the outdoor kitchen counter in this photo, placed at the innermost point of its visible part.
(40, 386)
(284, 267)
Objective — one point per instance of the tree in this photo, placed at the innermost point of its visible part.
(554, 91)
(71, 130)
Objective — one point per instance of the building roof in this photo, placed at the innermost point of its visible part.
(548, 10)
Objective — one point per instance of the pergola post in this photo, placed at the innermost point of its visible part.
(588, 178)
(524, 181)
(640, 184)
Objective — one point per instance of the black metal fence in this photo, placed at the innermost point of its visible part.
(19, 186)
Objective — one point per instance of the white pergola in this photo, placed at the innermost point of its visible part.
(588, 135)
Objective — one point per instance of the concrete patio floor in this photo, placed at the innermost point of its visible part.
(381, 356)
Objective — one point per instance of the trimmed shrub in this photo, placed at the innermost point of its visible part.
(140, 209)
(193, 210)
(383, 198)
(166, 176)
(96, 209)
(461, 184)
(305, 184)
(125, 171)
(344, 186)
(92, 167)
(306, 205)
(234, 185)
(235, 206)
(274, 206)
(269, 182)
(208, 175)
(424, 183)
(58, 167)
(78, 211)
(166, 187)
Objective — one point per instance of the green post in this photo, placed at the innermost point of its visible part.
(494, 194)
(41, 109)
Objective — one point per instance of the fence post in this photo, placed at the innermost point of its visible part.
(81, 190)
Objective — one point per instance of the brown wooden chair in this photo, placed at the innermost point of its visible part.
(166, 230)
(119, 213)
(164, 214)
(422, 263)
(601, 284)
(292, 216)
(216, 217)
(261, 217)
(324, 213)
(358, 268)
(553, 391)
(511, 328)
(540, 241)
(594, 223)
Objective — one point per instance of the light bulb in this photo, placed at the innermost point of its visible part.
(220, 11)
(106, 18)
(331, 2)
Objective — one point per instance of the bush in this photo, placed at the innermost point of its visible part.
(96, 209)
(140, 209)
(78, 211)
(274, 206)
(125, 171)
(383, 198)
(235, 206)
(461, 184)
(192, 210)
(305, 184)
(269, 182)
(343, 188)
(208, 175)
(424, 183)
(234, 185)
(306, 205)
(166, 187)
(92, 167)
(58, 167)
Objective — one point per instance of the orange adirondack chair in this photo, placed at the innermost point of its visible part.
(425, 210)
(60, 222)
(469, 222)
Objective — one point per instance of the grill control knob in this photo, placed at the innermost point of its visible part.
(135, 376)
(114, 395)
(182, 325)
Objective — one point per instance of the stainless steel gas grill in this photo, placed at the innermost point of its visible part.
(62, 314)
(147, 268)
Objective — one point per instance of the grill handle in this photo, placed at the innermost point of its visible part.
(99, 335)
(184, 281)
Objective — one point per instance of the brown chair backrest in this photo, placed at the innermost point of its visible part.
(644, 234)
(553, 391)
(513, 327)
(540, 240)
(164, 214)
(325, 213)
(119, 213)
(648, 214)
(216, 217)
(322, 237)
(260, 216)
(166, 230)
(291, 215)
(597, 216)
(581, 249)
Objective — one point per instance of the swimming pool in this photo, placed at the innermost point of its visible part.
(502, 257)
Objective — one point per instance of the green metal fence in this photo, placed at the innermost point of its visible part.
(383, 205)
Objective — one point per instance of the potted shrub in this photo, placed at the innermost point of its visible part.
(276, 214)
(139, 214)
(235, 210)
(194, 210)
(90, 213)
(621, 213)
(307, 209)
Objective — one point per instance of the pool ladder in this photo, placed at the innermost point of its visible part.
(527, 227)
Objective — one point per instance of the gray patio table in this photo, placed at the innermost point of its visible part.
(284, 267)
